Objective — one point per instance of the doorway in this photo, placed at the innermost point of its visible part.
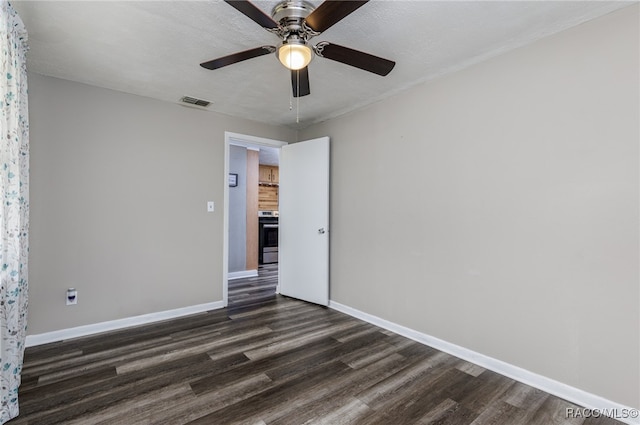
(269, 272)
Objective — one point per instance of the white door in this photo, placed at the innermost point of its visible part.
(303, 242)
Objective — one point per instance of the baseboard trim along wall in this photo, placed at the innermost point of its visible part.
(582, 398)
(111, 325)
(242, 274)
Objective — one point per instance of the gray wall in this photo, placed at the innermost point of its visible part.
(238, 210)
(497, 208)
(119, 185)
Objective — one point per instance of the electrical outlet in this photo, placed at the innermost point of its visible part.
(72, 296)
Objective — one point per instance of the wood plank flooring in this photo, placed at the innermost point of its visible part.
(267, 359)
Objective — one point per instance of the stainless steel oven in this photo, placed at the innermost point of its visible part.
(268, 237)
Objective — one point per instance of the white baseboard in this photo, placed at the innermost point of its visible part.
(597, 404)
(47, 337)
(241, 274)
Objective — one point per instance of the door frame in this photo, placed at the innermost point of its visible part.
(246, 141)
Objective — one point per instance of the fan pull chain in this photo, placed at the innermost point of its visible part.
(290, 94)
(298, 98)
(297, 91)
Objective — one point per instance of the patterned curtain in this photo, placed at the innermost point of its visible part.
(14, 209)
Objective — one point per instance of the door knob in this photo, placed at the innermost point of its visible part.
(321, 231)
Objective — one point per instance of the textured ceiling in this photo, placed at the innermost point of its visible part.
(154, 48)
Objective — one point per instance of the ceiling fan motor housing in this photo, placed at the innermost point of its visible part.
(291, 14)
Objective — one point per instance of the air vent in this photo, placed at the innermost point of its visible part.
(194, 101)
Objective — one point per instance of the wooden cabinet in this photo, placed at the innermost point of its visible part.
(269, 174)
(265, 174)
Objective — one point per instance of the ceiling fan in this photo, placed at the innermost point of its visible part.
(295, 22)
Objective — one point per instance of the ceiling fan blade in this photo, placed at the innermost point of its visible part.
(330, 12)
(355, 58)
(238, 57)
(300, 82)
(251, 11)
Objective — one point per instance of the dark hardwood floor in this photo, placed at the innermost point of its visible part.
(267, 359)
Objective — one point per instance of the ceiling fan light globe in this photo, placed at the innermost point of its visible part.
(295, 56)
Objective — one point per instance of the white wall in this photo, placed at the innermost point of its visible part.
(497, 208)
(119, 185)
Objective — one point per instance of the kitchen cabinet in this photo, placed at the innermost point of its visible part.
(269, 174)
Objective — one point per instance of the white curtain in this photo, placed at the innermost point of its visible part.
(14, 207)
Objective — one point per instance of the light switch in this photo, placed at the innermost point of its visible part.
(210, 206)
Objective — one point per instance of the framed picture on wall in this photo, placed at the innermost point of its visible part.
(233, 180)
